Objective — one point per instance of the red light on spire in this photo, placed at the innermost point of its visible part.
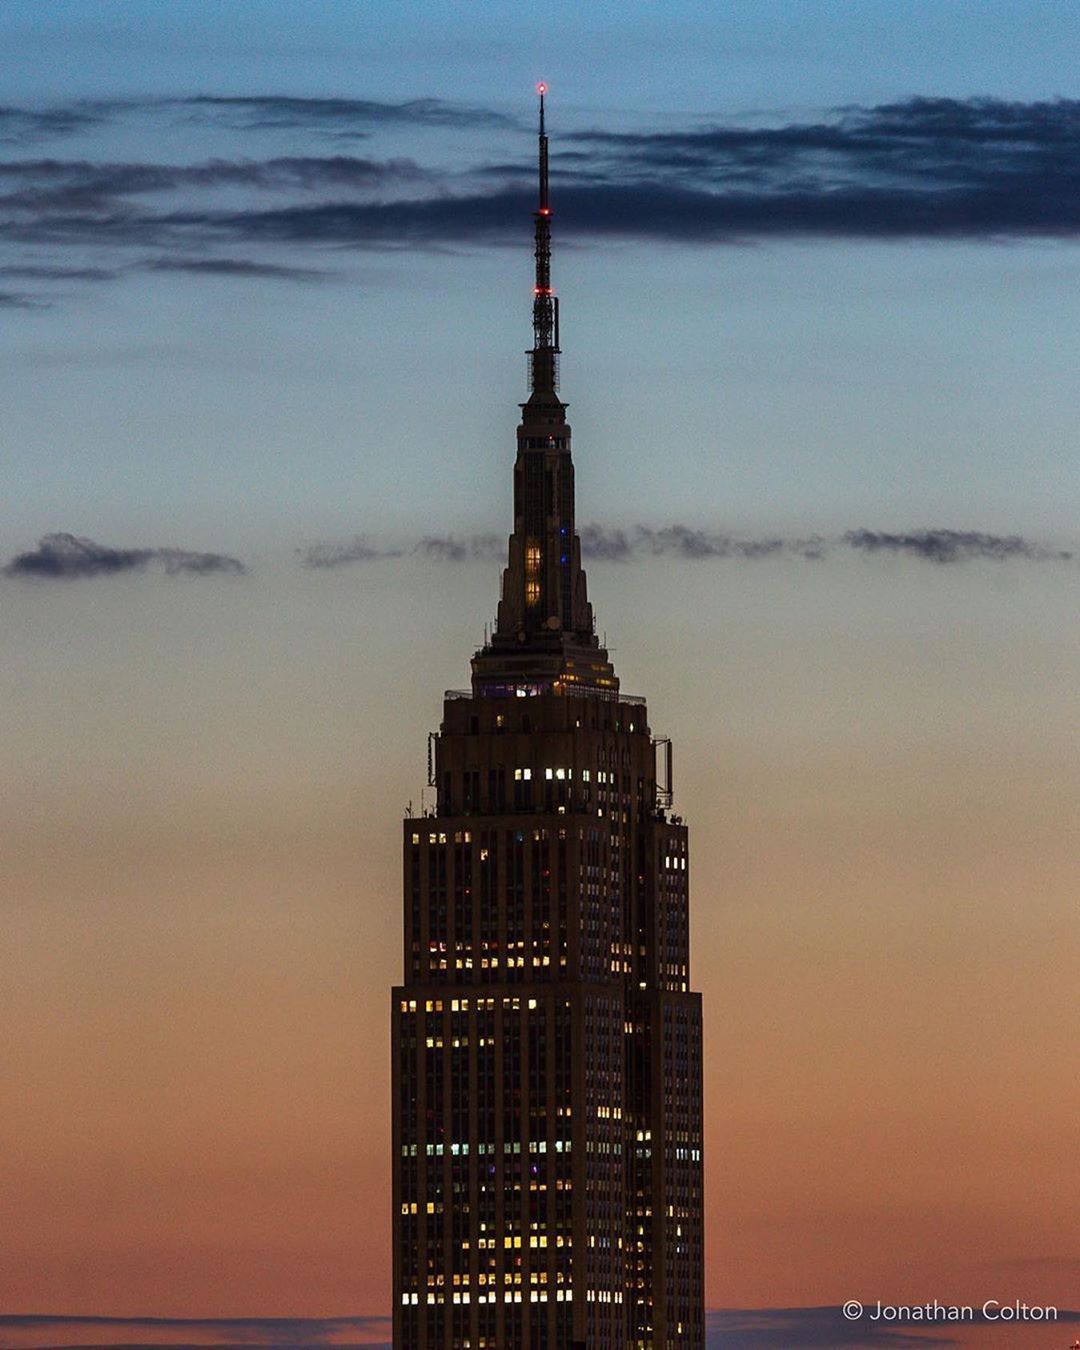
(541, 88)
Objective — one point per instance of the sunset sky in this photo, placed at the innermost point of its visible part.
(265, 286)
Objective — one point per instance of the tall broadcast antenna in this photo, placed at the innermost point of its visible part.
(543, 367)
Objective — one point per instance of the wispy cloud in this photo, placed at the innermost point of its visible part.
(46, 1332)
(923, 167)
(50, 272)
(627, 543)
(931, 545)
(278, 110)
(65, 557)
(608, 545)
(20, 300)
(807, 1329)
(928, 168)
(26, 125)
(814, 1328)
(448, 548)
(356, 550)
(236, 267)
(951, 546)
(40, 186)
(273, 112)
(682, 541)
(826, 1328)
(445, 548)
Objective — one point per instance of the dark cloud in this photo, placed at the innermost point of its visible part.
(923, 168)
(411, 222)
(19, 300)
(24, 125)
(939, 546)
(42, 185)
(826, 1329)
(509, 169)
(608, 545)
(265, 1333)
(952, 546)
(928, 168)
(438, 548)
(727, 1329)
(83, 204)
(177, 561)
(619, 544)
(810, 1329)
(236, 267)
(354, 117)
(445, 548)
(313, 172)
(65, 557)
(49, 272)
(341, 555)
(276, 111)
(627, 211)
(684, 541)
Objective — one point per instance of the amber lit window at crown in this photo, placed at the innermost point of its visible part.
(532, 567)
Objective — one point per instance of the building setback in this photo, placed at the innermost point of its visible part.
(547, 1113)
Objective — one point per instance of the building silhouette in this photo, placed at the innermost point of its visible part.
(547, 1113)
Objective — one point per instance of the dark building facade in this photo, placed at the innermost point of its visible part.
(547, 1102)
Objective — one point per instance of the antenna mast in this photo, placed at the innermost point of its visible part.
(545, 304)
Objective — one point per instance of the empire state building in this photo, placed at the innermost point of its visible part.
(547, 1115)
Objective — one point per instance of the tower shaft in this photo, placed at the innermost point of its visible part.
(547, 1104)
(545, 348)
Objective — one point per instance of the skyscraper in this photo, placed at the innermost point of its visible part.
(547, 1118)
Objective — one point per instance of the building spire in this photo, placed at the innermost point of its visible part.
(544, 639)
(543, 371)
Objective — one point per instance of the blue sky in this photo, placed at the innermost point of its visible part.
(679, 58)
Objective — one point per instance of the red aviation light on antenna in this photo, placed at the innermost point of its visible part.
(541, 88)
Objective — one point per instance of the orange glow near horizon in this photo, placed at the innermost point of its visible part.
(198, 961)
